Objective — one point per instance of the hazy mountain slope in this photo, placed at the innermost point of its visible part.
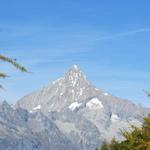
(20, 130)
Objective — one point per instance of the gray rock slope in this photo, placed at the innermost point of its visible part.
(71, 113)
(20, 130)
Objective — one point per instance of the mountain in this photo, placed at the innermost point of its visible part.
(74, 87)
(69, 114)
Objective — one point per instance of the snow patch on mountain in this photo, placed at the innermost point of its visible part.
(37, 107)
(114, 118)
(81, 91)
(74, 106)
(56, 81)
(94, 103)
(106, 94)
(97, 89)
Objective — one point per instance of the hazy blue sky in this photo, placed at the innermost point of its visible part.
(108, 39)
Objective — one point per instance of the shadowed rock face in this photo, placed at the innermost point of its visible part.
(69, 114)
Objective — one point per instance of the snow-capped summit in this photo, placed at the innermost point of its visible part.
(73, 87)
(75, 73)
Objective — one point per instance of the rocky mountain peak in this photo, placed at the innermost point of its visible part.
(75, 76)
(73, 87)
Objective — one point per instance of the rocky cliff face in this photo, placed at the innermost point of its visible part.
(69, 114)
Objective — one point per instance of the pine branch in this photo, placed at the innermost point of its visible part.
(3, 75)
(13, 62)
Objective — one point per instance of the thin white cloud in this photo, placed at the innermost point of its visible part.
(123, 34)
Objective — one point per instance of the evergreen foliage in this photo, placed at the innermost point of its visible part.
(104, 146)
(14, 63)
